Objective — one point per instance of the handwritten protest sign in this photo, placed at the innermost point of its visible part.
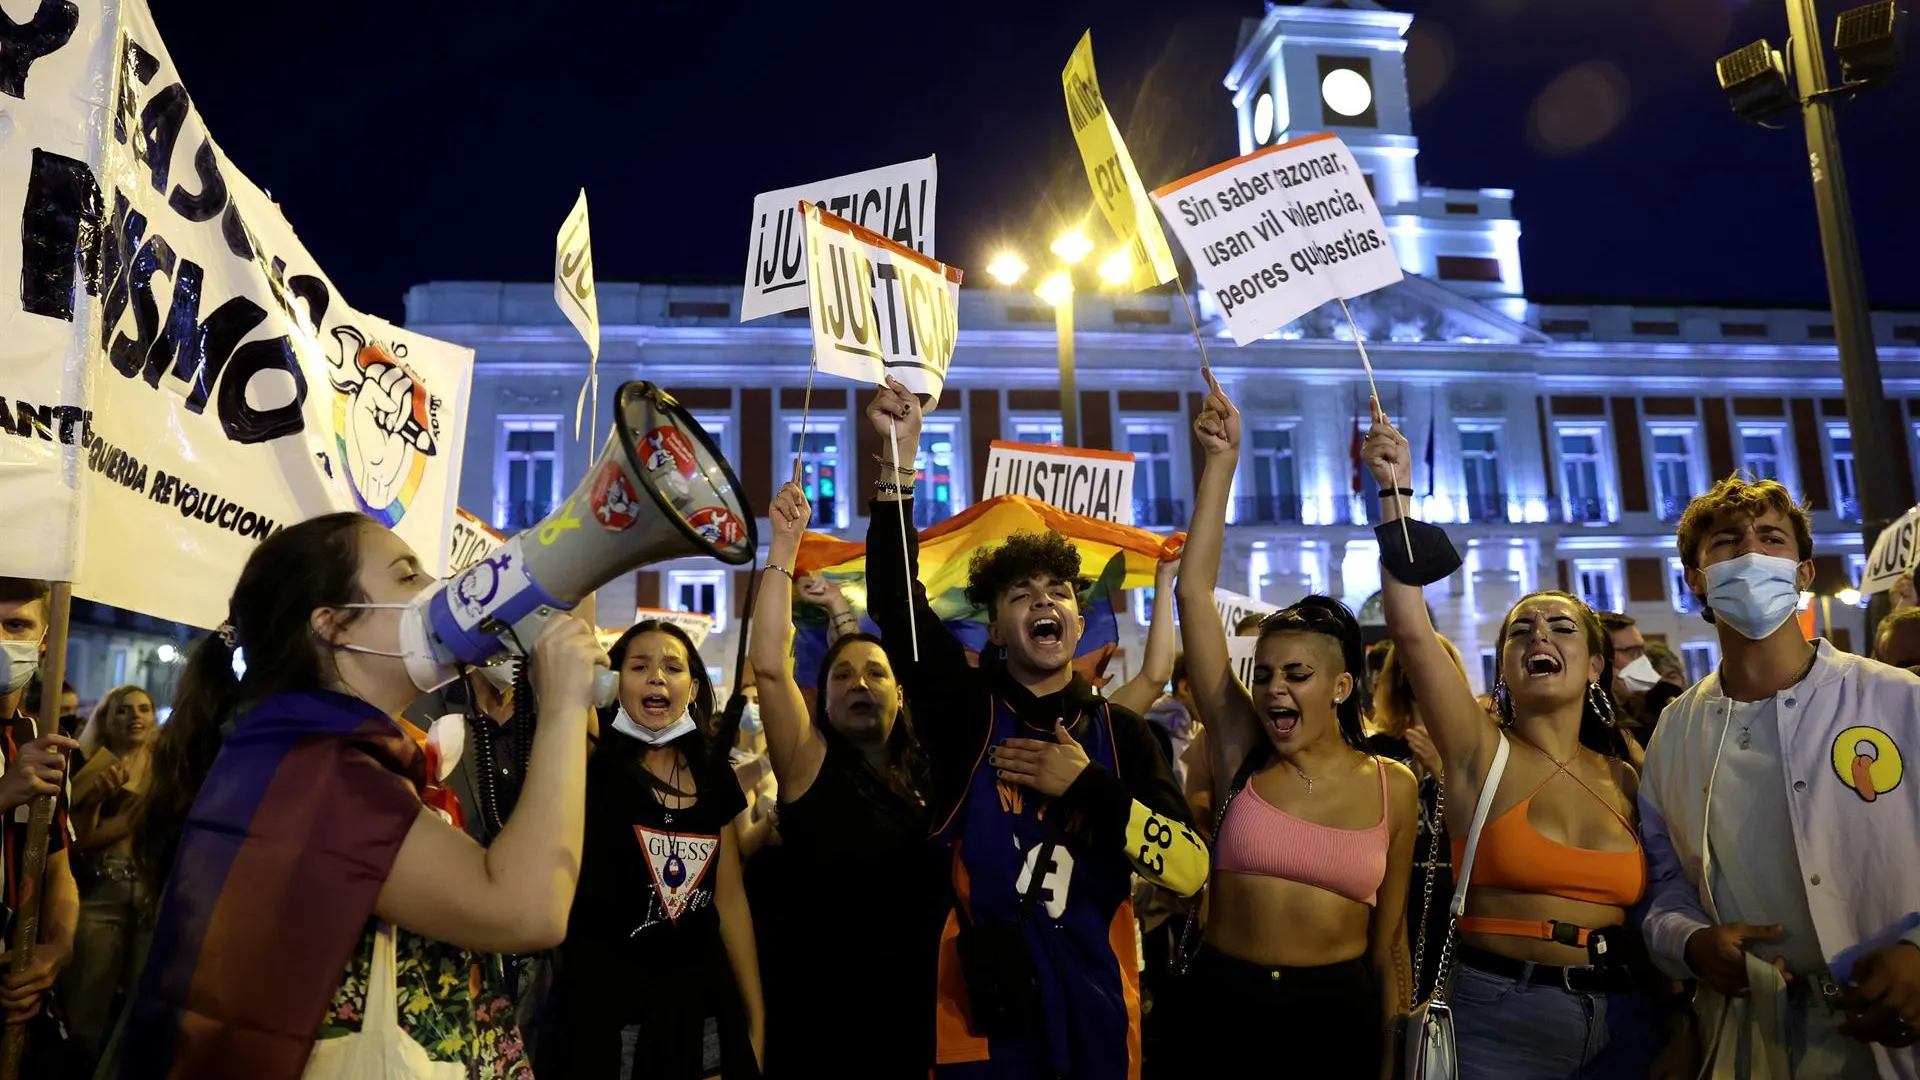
(1233, 607)
(879, 308)
(469, 541)
(697, 625)
(1116, 185)
(1091, 483)
(1279, 232)
(895, 201)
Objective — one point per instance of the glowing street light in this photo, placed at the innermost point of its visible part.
(1056, 290)
(1117, 268)
(1007, 268)
(1072, 247)
(1848, 596)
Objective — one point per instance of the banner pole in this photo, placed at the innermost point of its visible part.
(806, 407)
(913, 620)
(1393, 475)
(26, 924)
(1206, 368)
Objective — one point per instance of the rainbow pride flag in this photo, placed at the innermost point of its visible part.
(1116, 557)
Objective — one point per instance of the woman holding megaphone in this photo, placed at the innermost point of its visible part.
(318, 919)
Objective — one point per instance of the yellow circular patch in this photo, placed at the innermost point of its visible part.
(1867, 761)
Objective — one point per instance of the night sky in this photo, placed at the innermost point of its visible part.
(418, 140)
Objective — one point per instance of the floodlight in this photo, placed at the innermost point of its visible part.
(1755, 81)
(1868, 40)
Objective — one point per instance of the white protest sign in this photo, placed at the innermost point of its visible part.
(1116, 185)
(1895, 553)
(231, 391)
(469, 541)
(1091, 483)
(696, 624)
(1233, 607)
(1240, 656)
(879, 308)
(1279, 232)
(51, 129)
(895, 201)
(573, 291)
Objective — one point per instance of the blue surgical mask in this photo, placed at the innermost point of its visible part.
(750, 718)
(1754, 594)
(22, 660)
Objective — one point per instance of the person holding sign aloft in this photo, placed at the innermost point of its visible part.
(1306, 934)
(1552, 979)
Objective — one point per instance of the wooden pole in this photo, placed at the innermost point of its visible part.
(33, 866)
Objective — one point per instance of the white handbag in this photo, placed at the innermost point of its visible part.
(380, 1048)
(1430, 1046)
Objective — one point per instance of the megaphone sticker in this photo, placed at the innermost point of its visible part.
(488, 584)
(615, 506)
(717, 525)
(669, 450)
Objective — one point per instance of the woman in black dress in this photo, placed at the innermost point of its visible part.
(851, 979)
(660, 935)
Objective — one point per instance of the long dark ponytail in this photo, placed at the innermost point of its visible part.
(311, 565)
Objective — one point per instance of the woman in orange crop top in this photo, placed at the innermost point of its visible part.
(1542, 987)
(1306, 941)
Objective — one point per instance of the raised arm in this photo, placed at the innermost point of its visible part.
(792, 744)
(1156, 667)
(824, 593)
(1225, 707)
(1463, 733)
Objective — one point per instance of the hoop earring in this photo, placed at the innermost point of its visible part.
(1003, 653)
(1503, 703)
(1601, 704)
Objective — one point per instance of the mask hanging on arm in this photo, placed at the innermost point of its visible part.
(625, 725)
(23, 659)
(424, 665)
(1754, 594)
(1640, 676)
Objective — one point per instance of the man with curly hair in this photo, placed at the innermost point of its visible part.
(1050, 798)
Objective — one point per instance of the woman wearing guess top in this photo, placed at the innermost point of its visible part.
(1306, 935)
(1542, 988)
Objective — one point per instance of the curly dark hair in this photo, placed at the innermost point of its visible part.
(993, 570)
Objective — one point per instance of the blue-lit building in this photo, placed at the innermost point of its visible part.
(1564, 439)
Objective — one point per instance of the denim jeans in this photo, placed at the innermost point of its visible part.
(109, 947)
(1507, 1030)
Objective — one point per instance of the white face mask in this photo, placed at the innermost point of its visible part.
(426, 665)
(23, 659)
(750, 718)
(625, 725)
(1754, 594)
(500, 674)
(1640, 675)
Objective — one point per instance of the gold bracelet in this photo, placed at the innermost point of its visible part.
(782, 569)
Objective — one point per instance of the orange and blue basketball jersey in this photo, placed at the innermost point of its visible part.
(1080, 933)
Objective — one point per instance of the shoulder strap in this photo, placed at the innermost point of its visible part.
(1463, 874)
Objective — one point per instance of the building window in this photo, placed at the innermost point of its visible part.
(1699, 658)
(1846, 492)
(1039, 432)
(1684, 601)
(719, 428)
(822, 474)
(1467, 268)
(1597, 581)
(526, 478)
(1489, 668)
(1857, 569)
(1584, 473)
(1761, 455)
(1276, 480)
(1153, 444)
(1480, 466)
(939, 492)
(703, 591)
(1673, 463)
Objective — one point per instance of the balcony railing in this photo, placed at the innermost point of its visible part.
(515, 516)
(1160, 513)
(1585, 511)
(1486, 507)
(1267, 510)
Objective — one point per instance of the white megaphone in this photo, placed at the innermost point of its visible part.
(659, 491)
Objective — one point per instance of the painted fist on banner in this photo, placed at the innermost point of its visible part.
(383, 425)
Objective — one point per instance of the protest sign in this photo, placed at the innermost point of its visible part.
(1091, 483)
(230, 391)
(879, 308)
(573, 291)
(1895, 552)
(1240, 655)
(469, 541)
(1116, 186)
(1279, 232)
(696, 624)
(895, 201)
(1233, 607)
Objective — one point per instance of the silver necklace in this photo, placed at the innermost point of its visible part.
(1303, 775)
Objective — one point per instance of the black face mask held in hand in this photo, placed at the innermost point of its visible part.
(1433, 556)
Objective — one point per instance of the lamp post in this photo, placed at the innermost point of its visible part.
(1071, 249)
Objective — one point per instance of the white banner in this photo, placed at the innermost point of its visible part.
(573, 292)
(697, 625)
(895, 201)
(879, 308)
(1895, 552)
(232, 392)
(1233, 607)
(1240, 655)
(1279, 232)
(469, 541)
(52, 84)
(1091, 483)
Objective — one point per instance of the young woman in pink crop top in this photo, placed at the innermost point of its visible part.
(1544, 986)
(1306, 941)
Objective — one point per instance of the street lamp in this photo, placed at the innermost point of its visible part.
(1754, 78)
(1057, 289)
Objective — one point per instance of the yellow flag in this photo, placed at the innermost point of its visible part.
(1116, 186)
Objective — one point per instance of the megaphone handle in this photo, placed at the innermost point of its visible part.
(606, 687)
(906, 565)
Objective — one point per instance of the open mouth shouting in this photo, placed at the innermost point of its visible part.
(655, 706)
(1541, 665)
(861, 707)
(1282, 720)
(1046, 632)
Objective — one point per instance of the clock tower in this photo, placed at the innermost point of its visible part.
(1340, 66)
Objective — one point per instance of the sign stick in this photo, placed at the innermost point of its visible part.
(806, 406)
(33, 869)
(913, 616)
(1392, 475)
(1205, 368)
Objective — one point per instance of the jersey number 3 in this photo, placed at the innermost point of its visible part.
(1055, 880)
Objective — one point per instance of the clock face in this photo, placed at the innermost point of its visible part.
(1346, 92)
(1263, 120)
